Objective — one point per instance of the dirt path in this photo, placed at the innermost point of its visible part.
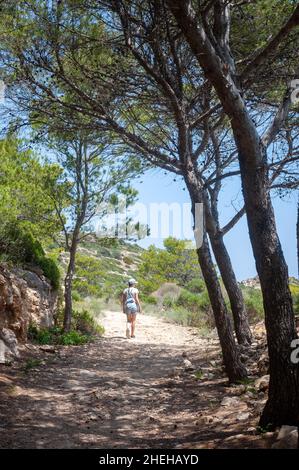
(119, 393)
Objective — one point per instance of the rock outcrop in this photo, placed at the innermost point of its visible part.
(287, 438)
(8, 344)
(25, 297)
(252, 282)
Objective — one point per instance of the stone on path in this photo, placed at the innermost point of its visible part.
(287, 438)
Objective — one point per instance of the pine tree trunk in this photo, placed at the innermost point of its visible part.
(68, 306)
(233, 290)
(283, 400)
(297, 232)
(68, 284)
(230, 282)
(282, 406)
(234, 368)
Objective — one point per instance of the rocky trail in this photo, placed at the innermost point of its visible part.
(164, 389)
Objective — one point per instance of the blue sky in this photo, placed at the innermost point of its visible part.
(156, 187)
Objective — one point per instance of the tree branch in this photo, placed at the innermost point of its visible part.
(233, 221)
(272, 45)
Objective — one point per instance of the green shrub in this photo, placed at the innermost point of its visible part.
(204, 302)
(294, 288)
(33, 250)
(148, 286)
(189, 309)
(32, 332)
(198, 374)
(84, 328)
(168, 302)
(176, 264)
(115, 253)
(148, 299)
(254, 303)
(189, 300)
(51, 270)
(84, 322)
(76, 296)
(4, 258)
(43, 335)
(19, 245)
(73, 338)
(31, 364)
(89, 275)
(197, 286)
(184, 317)
(57, 336)
(296, 304)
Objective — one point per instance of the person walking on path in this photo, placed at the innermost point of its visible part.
(131, 305)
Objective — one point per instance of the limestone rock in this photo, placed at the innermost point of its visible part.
(209, 376)
(175, 373)
(243, 416)
(25, 297)
(285, 431)
(239, 389)
(253, 282)
(262, 383)
(251, 430)
(188, 365)
(8, 344)
(263, 364)
(287, 438)
(230, 401)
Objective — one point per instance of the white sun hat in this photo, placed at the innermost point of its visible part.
(132, 281)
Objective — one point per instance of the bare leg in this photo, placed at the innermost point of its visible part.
(133, 325)
(129, 320)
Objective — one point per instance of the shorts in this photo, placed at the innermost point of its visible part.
(131, 310)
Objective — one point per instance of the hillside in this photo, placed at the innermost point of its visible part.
(105, 265)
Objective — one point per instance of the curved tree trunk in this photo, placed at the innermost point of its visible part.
(234, 368)
(233, 289)
(230, 282)
(297, 234)
(282, 406)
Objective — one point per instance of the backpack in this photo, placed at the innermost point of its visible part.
(130, 301)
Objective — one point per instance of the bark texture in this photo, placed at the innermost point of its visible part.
(241, 322)
(68, 284)
(282, 406)
(234, 368)
(233, 290)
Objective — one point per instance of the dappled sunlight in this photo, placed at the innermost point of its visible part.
(125, 393)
